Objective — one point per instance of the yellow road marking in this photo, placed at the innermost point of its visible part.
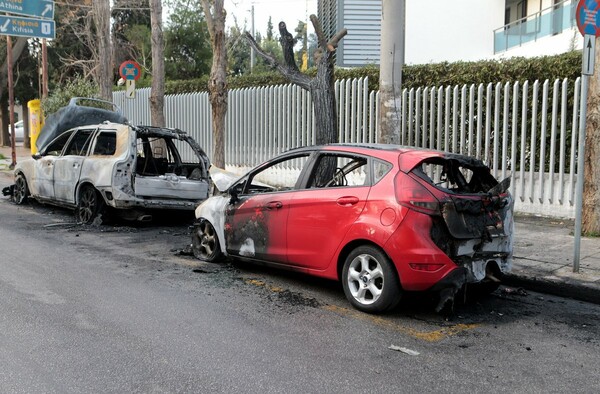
(428, 336)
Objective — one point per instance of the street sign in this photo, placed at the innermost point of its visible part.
(130, 70)
(589, 50)
(588, 17)
(37, 8)
(26, 27)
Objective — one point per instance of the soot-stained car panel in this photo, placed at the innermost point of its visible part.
(380, 218)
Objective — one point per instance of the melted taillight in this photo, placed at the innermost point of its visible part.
(411, 194)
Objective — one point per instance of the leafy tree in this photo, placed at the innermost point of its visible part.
(187, 48)
(59, 97)
(238, 54)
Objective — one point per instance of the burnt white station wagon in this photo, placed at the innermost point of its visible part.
(128, 168)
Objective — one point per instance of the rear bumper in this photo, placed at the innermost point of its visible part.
(412, 246)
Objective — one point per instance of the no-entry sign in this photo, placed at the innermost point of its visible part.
(588, 17)
(130, 70)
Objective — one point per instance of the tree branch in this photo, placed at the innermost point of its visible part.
(291, 73)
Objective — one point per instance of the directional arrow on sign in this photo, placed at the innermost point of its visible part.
(47, 9)
(4, 27)
(589, 51)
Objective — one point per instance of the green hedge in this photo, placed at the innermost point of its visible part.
(567, 65)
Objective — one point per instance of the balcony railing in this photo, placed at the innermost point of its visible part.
(550, 21)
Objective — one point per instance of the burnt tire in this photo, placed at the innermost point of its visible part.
(370, 280)
(21, 190)
(89, 205)
(205, 242)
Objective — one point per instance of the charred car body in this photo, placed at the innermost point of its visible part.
(380, 218)
(116, 165)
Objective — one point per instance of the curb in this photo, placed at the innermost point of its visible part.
(576, 291)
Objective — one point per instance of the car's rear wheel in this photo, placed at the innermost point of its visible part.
(89, 205)
(205, 242)
(370, 281)
(21, 191)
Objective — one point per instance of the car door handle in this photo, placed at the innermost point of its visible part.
(347, 201)
(274, 205)
(75, 165)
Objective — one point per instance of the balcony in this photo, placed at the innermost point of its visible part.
(547, 22)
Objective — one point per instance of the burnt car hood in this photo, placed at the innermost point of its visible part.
(73, 116)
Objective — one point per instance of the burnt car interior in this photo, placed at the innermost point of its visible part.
(334, 170)
(158, 155)
(456, 177)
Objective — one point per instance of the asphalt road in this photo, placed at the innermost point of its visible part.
(116, 308)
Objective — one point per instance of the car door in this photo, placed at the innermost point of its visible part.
(67, 167)
(42, 184)
(256, 221)
(322, 213)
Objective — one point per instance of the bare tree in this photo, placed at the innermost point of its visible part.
(217, 84)
(321, 87)
(157, 95)
(104, 77)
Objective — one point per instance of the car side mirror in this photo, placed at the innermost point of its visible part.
(37, 156)
(233, 192)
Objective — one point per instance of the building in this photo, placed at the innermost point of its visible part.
(442, 30)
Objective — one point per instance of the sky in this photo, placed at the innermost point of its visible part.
(289, 11)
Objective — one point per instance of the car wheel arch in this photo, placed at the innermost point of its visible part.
(81, 185)
(350, 246)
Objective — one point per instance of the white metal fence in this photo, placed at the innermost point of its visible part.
(524, 130)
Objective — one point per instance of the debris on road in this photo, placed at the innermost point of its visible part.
(404, 350)
(511, 291)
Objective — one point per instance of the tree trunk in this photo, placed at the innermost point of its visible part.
(217, 83)
(157, 95)
(105, 63)
(591, 185)
(390, 76)
(322, 90)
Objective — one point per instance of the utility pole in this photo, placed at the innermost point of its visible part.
(393, 16)
(252, 58)
(44, 69)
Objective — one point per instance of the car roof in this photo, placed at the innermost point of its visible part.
(408, 156)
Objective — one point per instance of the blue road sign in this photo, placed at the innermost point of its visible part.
(37, 8)
(26, 27)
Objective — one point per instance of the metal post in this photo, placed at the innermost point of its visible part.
(44, 69)
(11, 101)
(580, 170)
(252, 55)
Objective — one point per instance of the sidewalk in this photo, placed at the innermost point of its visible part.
(543, 252)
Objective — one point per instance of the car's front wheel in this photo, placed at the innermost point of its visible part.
(89, 205)
(205, 242)
(21, 191)
(370, 281)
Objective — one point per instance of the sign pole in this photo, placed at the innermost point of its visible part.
(586, 14)
(11, 102)
(44, 69)
(580, 170)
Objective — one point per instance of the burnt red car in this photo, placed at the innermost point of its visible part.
(380, 218)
